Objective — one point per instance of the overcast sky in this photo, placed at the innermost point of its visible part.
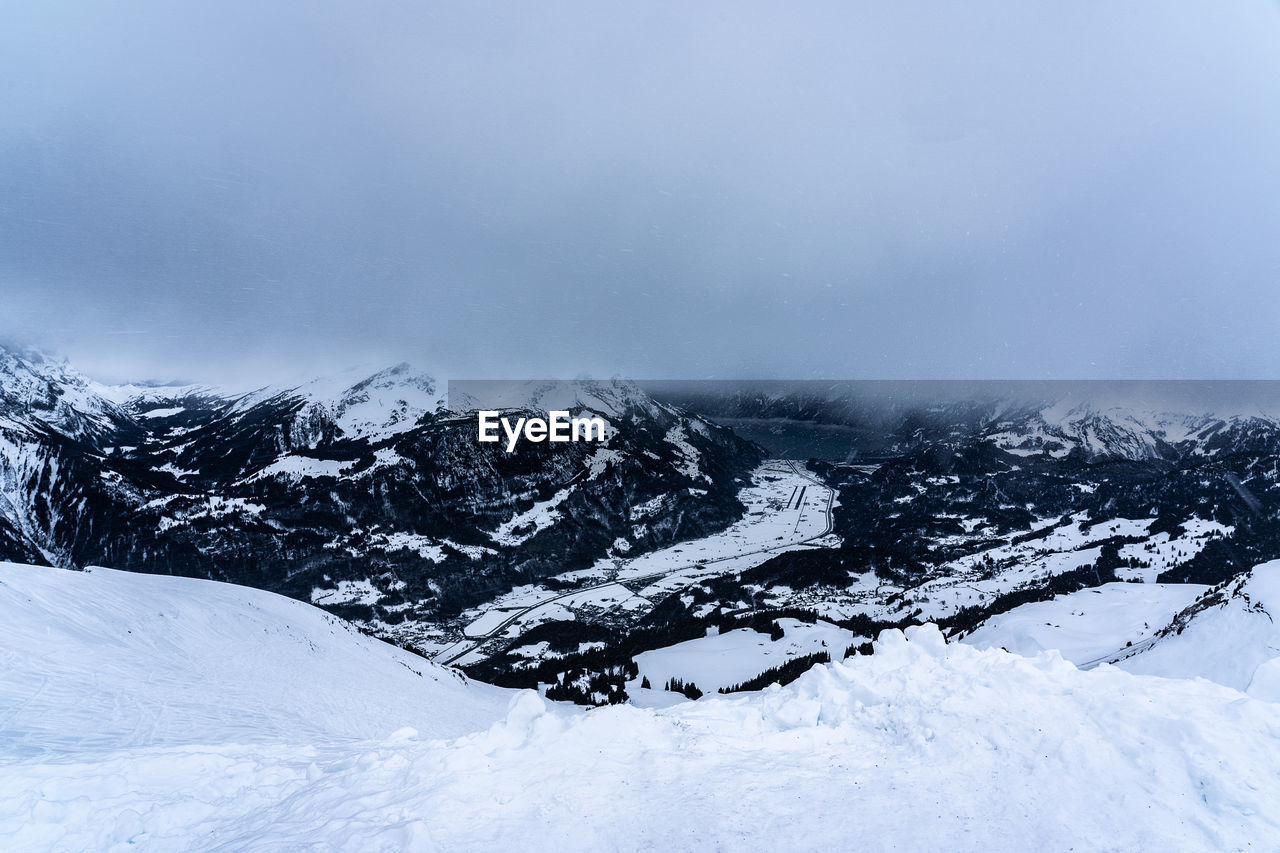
(232, 191)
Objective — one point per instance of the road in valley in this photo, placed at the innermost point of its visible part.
(805, 499)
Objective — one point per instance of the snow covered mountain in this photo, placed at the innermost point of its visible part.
(1117, 431)
(36, 391)
(1095, 421)
(559, 565)
(355, 404)
(159, 713)
(359, 491)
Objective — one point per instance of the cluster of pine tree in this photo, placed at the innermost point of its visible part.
(672, 621)
(592, 687)
(781, 674)
(863, 648)
(675, 685)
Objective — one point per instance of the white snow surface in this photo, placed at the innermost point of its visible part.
(135, 395)
(55, 392)
(294, 467)
(1235, 643)
(611, 398)
(922, 746)
(361, 403)
(723, 660)
(99, 662)
(1089, 624)
(525, 525)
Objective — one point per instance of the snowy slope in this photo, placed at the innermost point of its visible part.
(108, 660)
(358, 478)
(1227, 635)
(1088, 624)
(37, 389)
(142, 396)
(922, 746)
(1099, 429)
(358, 403)
(733, 657)
(1108, 423)
(1231, 637)
(612, 398)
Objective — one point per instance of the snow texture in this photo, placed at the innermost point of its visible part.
(1087, 625)
(100, 661)
(1235, 643)
(156, 713)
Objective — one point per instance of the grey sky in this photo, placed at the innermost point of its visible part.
(228, 191)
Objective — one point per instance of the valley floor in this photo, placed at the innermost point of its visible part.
(787, 508)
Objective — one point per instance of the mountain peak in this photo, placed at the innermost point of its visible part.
(34, 385)
(360, 402)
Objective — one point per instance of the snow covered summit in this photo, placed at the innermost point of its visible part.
(360, 403)
(37, 391)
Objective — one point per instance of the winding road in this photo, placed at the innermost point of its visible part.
(468, 645)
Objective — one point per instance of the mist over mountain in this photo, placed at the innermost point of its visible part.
(912, 481)
(369, 494)
(846, 420)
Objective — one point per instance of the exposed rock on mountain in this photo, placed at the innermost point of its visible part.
(362, 492)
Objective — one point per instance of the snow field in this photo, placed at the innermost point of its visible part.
(1235, 643)
(723, 660)
(1088, 624)
(922, 746)
(106, 660)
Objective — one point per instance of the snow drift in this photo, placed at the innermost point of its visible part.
(160, 713)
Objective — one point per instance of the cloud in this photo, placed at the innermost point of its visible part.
(873, 190)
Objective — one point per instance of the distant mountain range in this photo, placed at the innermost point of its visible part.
(363, 481)
(1094, 420)
(368, 494)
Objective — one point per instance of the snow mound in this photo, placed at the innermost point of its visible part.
(922, 746)
(108, 660)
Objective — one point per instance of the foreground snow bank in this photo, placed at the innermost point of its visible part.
(922, 746)
(110, 660)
